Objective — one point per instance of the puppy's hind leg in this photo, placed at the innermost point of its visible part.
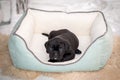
(78, 51)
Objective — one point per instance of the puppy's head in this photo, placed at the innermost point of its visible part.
(56, 48)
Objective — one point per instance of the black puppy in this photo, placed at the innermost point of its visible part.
(61, 45)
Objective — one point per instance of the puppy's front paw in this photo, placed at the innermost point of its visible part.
(51, 60)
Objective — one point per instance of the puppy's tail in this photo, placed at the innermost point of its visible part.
(45, 34)
(78, 51)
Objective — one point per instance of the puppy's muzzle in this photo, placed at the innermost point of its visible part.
(55, 57)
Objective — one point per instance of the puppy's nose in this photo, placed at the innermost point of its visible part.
(55, 58)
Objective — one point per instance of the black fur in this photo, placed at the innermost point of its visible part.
(61, 45)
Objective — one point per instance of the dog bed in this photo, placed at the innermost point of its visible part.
(26, 43)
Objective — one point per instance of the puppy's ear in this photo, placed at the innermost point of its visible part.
(46, 46)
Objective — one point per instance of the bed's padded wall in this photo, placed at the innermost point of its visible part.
(26, 29)
(79, 23)
(98, 27)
